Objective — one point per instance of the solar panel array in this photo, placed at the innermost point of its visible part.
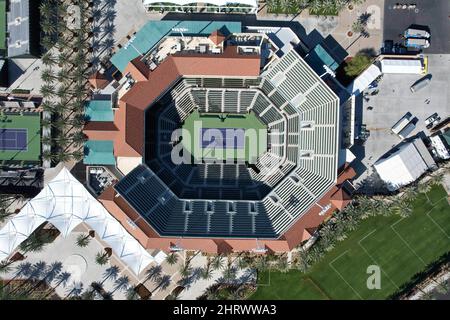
(226, 200)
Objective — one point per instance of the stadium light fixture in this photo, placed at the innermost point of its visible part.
(328, 71)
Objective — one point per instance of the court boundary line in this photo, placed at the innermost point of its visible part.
(375, 261)
(340, 275)
(434, 221)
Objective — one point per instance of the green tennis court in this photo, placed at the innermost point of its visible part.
(30, 124)
(234, 136)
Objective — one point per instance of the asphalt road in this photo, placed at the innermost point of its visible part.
(434, 14)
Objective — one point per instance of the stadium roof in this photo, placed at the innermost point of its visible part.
(144, 93)
(18, 28)
(153, 31)
(292, 85)
(65, 203)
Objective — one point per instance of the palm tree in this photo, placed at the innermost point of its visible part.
(47, 75)
(153, 273)
(229, 274)
(172, 259)
(62, 278)
(83, 240)
(75, 290)
(217, 263)
(101, 258)
(436, 179)
(283, 265)
(131, 294)
(185, 270)
(121, 284)
(402, 208)
(48, 60)
(443, 287)
(5, 267)
(47, 90)
(23, 269)
(111, 272)
(50, 273)
(163, 283)
(207, 272)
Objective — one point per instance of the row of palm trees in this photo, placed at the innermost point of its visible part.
(65, 78)
(34, 281)
(324, 7)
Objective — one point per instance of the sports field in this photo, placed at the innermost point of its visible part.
(2, 25)
(225, 136)
(30, 130)
(401, 247)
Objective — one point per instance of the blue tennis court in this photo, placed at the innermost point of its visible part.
(13, 139)
(225, 138)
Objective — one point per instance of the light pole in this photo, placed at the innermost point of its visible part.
(328, 71)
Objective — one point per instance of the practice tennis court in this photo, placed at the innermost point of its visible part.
(20, 137)
(13, 139)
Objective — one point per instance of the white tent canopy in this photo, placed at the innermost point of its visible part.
(364, 79)
(251, 3)
(65, 203)
(402, 66)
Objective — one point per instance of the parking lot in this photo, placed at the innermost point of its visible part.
(435, 14)
(395, 99)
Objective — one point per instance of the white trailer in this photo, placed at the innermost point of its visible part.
(402, 66)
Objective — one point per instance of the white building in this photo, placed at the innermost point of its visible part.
(404, 165)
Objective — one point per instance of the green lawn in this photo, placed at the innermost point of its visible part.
(2, 25)
(401, 247)
(30, 122)
(255, 140)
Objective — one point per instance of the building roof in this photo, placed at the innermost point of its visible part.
(340, 199)
(19, 28)
(363, 80)
(217, 37)
(153, 31)
(318, 57)
(98, 80)
(402, 167)
(173, 68)
(99, 152)
(98, 110)
(65, 203)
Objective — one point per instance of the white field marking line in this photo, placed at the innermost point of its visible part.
(405, 242)
(340, 275)
(434, 221)
(370, 256)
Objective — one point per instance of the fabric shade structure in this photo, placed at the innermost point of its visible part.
(65, 203)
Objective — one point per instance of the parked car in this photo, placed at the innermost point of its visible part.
(429, 121)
